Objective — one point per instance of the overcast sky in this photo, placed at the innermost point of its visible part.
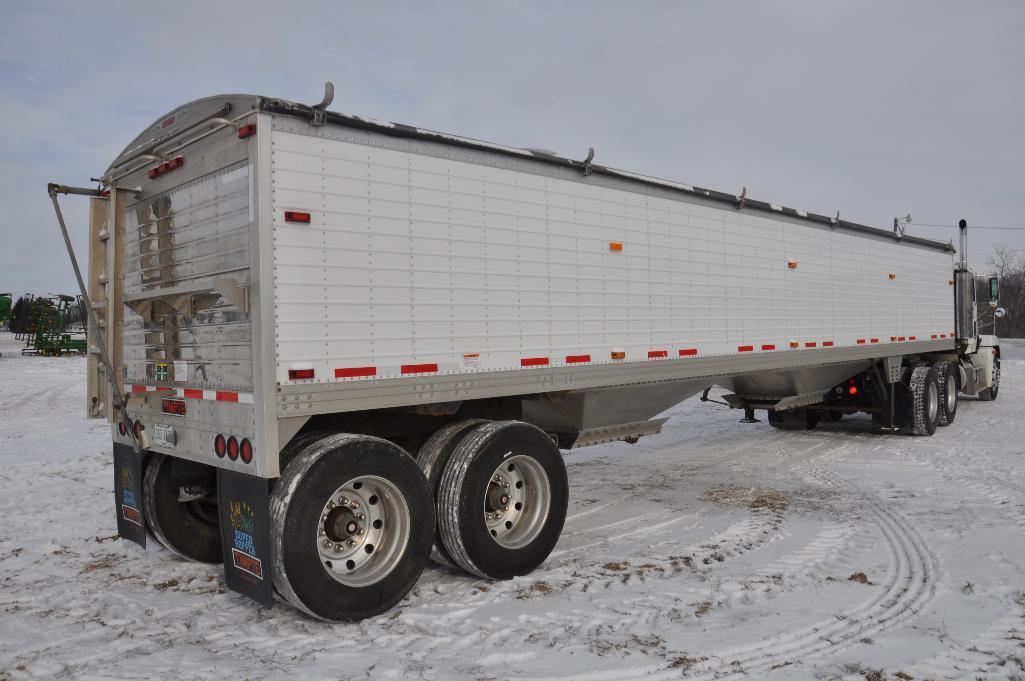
(873, 109)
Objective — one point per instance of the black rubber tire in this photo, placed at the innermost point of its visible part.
(833, 416)
(793, 419)
(990, 393)
(297, 445)
(924, 390)
(461, 501)
(947, 380)
(190, 530)
(295, 505)
(431, 458)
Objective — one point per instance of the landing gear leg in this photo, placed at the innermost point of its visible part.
(892, 427)
(749, 416)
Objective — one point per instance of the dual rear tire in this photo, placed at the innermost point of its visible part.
(931, 397)
(352, 521)
(501, 500)
(353, 517)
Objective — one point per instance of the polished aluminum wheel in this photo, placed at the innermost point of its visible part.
(363, 530)
(951, 394)
(517, 501)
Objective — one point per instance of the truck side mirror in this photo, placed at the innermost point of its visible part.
(994, 289)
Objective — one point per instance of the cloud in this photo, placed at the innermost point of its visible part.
(873, 109)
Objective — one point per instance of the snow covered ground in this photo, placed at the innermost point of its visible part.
(715, 549)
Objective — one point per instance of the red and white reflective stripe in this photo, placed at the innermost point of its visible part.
(658, 354)
(140, 388)
(534, 362)
(768, 346)
(194, 393)
(577, 359)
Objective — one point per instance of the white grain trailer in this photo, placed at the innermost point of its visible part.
(340, 345)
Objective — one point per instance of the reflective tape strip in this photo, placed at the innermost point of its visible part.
(534, 362)
(213, 395)
(577, 359)
(688, 352)
(768, 346)
(141, 388)
(418, 368)
(657, 354)
(827, 344)
(745, 348)
(355, 372)
(810, 344)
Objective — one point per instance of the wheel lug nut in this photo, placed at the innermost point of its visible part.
(343, 501)
(321, 533)
(354, 504)
(505, 509)
(352, 542)
(338, 547)
(331, 504)
(360, 516)
(326, 544)
(360, 531)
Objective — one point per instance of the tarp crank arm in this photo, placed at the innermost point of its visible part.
(119, 403)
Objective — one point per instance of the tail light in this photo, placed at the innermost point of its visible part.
(852, 388)
(166, 167)
(220, 446)
(245, 451)
(122, 428)
(232, 448)
(137, 428)
(247, 131)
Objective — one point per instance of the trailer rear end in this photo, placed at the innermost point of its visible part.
(346, 345)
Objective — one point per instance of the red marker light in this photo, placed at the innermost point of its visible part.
(232, 448)
(247, 131)
(299, 374)
(297, 216)
(220, 446)
(853, 390)
(122, 428)
(245, 451)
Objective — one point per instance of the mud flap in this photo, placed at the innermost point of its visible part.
(244, 506)
(128, 468)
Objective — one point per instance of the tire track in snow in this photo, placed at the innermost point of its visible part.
(907, 590)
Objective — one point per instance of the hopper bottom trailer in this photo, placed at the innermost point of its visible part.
(331, 348)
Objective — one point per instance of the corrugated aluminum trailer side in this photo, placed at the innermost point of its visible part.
(296, 301)
(424, 272)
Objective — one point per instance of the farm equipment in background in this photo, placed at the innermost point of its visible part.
(5, 308)
(46, 329)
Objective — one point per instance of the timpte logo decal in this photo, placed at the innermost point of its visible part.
(243, 553)
(129, 503)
